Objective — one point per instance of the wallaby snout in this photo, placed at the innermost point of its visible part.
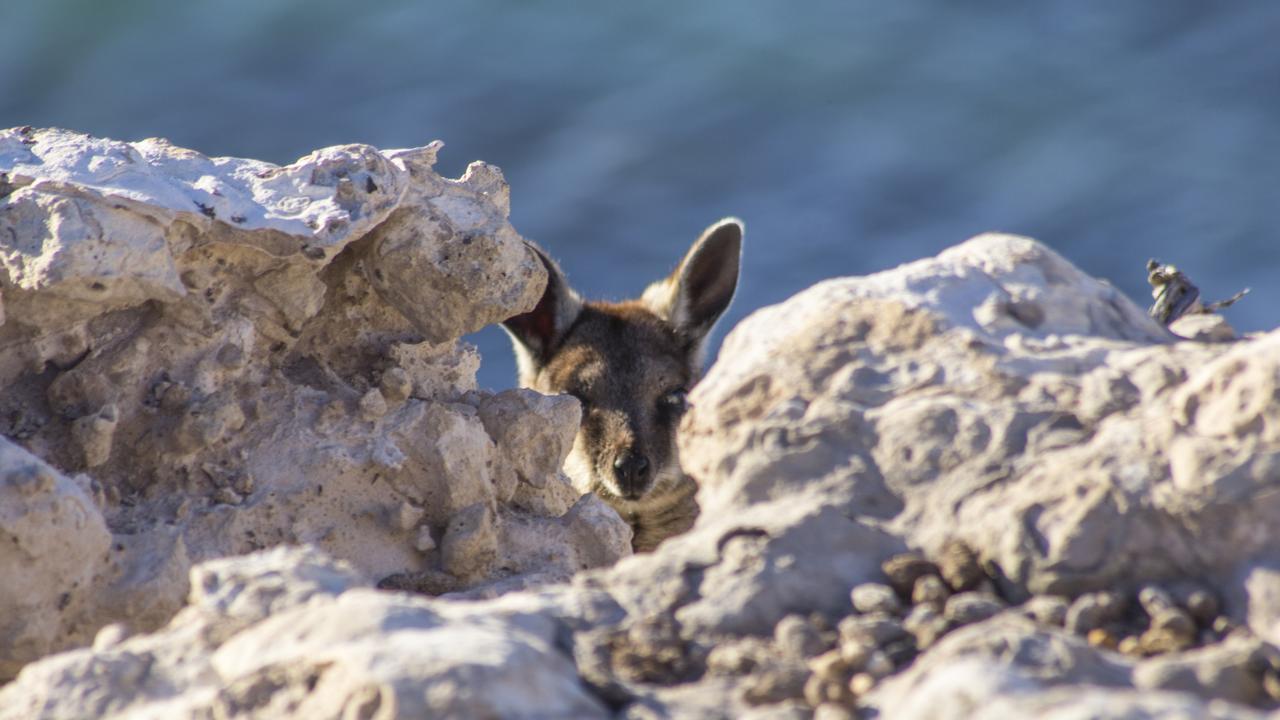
(631, 365)
(631, 471)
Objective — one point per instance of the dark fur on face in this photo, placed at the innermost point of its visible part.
(631, 364)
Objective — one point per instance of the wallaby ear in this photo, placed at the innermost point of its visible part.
(537, 333)
(699, 291)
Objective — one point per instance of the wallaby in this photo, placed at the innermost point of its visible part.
(631, 364)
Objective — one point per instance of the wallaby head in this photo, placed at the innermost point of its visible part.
(630, 364)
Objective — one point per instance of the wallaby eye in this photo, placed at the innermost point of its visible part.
(676, 401)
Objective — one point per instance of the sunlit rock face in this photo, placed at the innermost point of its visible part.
(201, 357)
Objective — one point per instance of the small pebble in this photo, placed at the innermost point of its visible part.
(1103, 638)
(1174, 620)
(905, 570)
(396, 386)
(774, 686)
(879, 665)
(1270, 684)
(959, 566)
(919, 615)
(110, 636)
(1155, 600)
(875, 598)
(1047, 609)
(861, 684)
(408, 515)
(1156, 641)
(901, 652)
(424, 542)
(1130, 645)
(856, 654)
(1203, 606)
(926, 625)
(818, 691)
(1222, 625)
(798, 638)
(1093, 610)
(830, 666)
(373, 405)
(929, 633)
(733, 659)
(874, 630)
(970, 607)
(930, 590)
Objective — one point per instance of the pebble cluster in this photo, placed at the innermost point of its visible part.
(921, 600)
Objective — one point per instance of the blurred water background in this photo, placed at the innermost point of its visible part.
(850, 135)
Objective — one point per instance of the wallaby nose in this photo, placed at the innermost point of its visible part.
(632, 471)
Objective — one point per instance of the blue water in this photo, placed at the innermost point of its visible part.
(850, 135)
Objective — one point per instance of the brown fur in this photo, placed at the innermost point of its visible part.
(630, 364)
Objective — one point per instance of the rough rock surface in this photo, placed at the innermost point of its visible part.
(291, 633)
(201, 357)
(979, 485)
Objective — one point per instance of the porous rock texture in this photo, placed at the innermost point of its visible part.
(202, 357)
(952, 489)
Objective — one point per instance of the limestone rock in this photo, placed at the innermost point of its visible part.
(52, 540)
(1020, 425)
(292, 632)
(875, 598)
(517, 422)
(996, 395)
(449, 266)
(243, 355)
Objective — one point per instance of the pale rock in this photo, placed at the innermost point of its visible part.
(875, 598)
(470, 544)
(396, 385)
(905, 571)
(1047, 609)
(1093, 610)
(373, 405)
(451, 265)
(553, 499)
(533, 430)
(1231, 670)
(1019, 423)
(1203, 327)
(293, 632)
(94, 434)
(201, 336)
(597, 536)
(1202, 604)
(424, 542)
(970, 607)
(872, 631)
(798, 638)
(53, 541)
(930, 590)
(1259, 593)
